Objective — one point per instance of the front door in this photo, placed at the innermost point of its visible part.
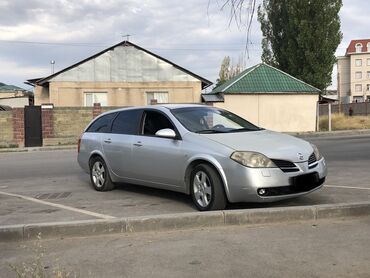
(156, 160)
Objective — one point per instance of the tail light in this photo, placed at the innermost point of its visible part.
(79, 143)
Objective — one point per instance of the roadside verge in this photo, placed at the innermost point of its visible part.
(181, 221)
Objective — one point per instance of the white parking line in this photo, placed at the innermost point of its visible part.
(98, 215)
(348, 187)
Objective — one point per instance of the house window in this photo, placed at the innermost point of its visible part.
(368, 74)
(367, 87)
(358, 75)
(358, 62)
(368, 98)
(156, 97)
(368, 62)
(358, 88)
(368, 47)
(95, 97)
(358, 47)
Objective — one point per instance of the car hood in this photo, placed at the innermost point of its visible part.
(272, 144)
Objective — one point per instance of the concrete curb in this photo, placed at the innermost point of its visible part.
(38, 149)
(337, 133)
(180, 221)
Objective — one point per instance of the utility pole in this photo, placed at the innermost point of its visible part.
(52, 63)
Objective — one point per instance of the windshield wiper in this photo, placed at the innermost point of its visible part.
(243, 129)
(205, 131)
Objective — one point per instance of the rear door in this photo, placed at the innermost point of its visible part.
(117, 144)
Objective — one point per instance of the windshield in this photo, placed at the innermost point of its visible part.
(211, 120)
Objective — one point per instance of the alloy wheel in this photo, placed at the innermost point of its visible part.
(202, 189)
(98, 174)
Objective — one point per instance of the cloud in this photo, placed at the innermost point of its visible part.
(12, 70)
(191, 33)
(182, 32)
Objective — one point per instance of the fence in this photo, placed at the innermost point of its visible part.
(360, 108)
(60, 125)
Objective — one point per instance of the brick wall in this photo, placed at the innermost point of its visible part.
(47, 123)
(6, 128)
(18, 126)
(60, 125)
(70, 121)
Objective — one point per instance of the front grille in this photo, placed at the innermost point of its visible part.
(312, 161)
(285, 166)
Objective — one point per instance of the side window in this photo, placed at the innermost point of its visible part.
(155, 121)
(102, 124)
(127, 122)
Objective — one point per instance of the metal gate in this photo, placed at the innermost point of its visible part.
(32, 126)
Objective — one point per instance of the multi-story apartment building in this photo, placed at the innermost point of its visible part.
(354, 72)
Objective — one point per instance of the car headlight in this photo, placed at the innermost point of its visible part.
(316, 152)
(253, 160)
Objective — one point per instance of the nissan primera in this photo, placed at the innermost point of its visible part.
(209, 153)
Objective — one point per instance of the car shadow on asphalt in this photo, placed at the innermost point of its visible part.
(186, 199)
(155, 192)
(308, 200)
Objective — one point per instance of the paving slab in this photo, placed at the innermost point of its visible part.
(325, 249)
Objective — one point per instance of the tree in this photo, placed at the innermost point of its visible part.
(228, 70)
(301, 37)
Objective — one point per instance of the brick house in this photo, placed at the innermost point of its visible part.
(122, 75)
(354, 72)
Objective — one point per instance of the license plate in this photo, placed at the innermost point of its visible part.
(304, 180)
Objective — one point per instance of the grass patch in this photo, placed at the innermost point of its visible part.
(9, 146)
(343, 122)
(36, 268)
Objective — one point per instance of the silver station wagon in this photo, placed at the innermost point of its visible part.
(209, 153)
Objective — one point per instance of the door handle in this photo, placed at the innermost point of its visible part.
(108, 141)
(138, 144)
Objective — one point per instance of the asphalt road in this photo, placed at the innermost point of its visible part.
(41, 179)
(325, 249)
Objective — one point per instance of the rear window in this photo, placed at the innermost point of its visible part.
(127, 122)
(102, 124)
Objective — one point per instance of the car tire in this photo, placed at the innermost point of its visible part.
(207, 189)
(99, 175)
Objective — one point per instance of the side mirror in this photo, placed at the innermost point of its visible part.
(166, 132)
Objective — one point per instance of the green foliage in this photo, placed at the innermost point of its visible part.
(301, 37)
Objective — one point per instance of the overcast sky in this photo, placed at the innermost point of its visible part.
(191, 33)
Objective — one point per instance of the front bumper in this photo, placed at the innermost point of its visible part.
(244, 184)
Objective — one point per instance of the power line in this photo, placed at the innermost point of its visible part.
(152, 48)
(106, 45)
(54, 43)
(252, 47)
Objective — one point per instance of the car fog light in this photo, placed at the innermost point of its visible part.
(261, 191)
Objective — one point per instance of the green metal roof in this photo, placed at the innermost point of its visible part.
(7, 88)
(263, 78)
(4, 88)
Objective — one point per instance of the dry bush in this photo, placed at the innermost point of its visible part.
(343, 122)
(36, 268)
